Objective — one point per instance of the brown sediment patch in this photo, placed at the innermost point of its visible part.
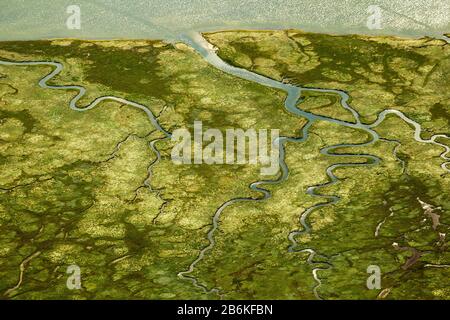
(416, 254)
(430, 211)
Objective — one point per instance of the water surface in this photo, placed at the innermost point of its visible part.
(166, 19)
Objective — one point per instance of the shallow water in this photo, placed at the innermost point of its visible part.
(106, 19)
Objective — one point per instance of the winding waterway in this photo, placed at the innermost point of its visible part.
(197, 42)
(207, 51)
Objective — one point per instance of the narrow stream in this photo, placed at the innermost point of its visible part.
(196, 41)
(207, 51)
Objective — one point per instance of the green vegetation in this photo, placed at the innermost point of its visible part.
(378, 72)
(72, 184)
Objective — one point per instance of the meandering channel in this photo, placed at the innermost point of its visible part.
(58, 67)
(207, 51)
(197, 42)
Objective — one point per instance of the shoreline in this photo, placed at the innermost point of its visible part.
(177, 39)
